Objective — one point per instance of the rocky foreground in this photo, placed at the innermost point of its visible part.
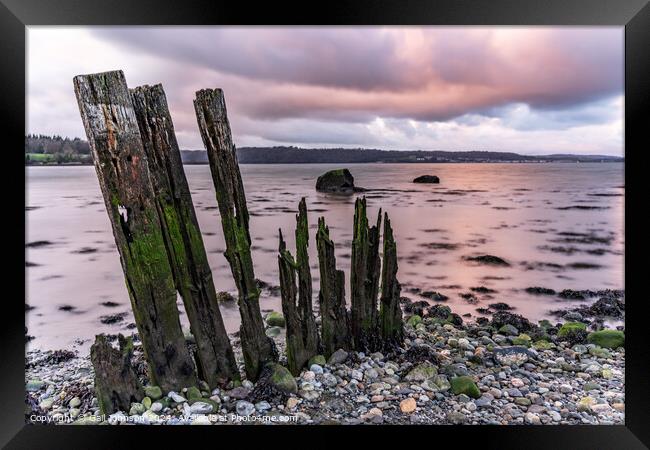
(506, 371)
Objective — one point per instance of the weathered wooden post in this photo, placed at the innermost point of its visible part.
(390, 313)
(302, 334)
(116, 383)
(335, 324)
(188, 259)
(212, 118)
(121, 165)
(364, 280)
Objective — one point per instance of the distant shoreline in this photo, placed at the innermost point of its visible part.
(347, 162)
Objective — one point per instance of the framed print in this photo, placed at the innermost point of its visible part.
(374, 218)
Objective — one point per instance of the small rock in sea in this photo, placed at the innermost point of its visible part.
(572, 316)
(536, 290)
(67, 308)
(487, 259)
(338, 357)
(112, 318)
(338, 181)
(110, 304)
(500, 306)
(244, 408)
(225, 297)
(408, 405)
(427, 179)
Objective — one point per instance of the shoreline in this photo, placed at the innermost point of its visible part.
(521, 373)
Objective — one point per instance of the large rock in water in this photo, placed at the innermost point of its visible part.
(339, 181)
(427, 179)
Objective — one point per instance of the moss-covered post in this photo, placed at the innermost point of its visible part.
(192, 273)
(390, 313)
(212, 118)
(121, 165)
(335, 324)
(116, 383)
(364, 280)
(302, 334)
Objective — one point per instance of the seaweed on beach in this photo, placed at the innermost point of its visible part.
(490, 260)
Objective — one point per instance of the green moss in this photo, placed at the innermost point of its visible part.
(543, 345)
(607, 338)
(570, 328)
(465, 385)
(282, 379)
(318, 359)
(522, 339)
(545, 324)
(193, 393)
(414, 320)
(275, 319)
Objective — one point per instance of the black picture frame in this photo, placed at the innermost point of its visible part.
(16, 15)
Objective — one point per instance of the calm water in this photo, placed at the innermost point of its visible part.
(524, 213)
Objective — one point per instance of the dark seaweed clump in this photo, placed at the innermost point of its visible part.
(435, 296)
(483, 290)
(112, 318)
(487, 259)
(536, 290)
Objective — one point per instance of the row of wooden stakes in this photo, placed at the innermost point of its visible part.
(139, 167)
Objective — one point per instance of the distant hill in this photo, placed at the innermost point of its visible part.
(49, 150)
(296, 155)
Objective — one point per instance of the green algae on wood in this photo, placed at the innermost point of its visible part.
(335, 323)
(210, 106)
(364, 280)
(121, 165)
(116, 382)
(302, 334)
(184, 243)
(390, 313)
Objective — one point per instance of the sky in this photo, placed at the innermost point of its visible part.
(533, 90)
